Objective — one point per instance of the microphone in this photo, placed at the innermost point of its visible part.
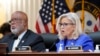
(53, 45)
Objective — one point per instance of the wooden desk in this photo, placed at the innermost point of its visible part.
(53, 54)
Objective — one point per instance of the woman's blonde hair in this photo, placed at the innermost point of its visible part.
(75, 20)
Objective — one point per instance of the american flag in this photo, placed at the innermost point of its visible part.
(44, 21)
(97, 25)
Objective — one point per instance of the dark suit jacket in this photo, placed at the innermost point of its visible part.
(29, 39)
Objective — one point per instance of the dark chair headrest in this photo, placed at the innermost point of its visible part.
(95, 36)
(49, 39)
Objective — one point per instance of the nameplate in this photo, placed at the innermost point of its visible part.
(73, 48)
(23, 48)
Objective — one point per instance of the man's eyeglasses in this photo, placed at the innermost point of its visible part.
(65, 24)
(15, 20)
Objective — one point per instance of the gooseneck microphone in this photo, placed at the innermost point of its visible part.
(53, 46)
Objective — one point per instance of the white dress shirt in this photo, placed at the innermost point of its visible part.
(17, 41)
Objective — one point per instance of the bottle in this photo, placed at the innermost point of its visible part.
(46, 50)
(60, 48)
(97, 48)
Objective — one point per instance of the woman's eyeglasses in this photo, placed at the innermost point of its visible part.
(65, 24)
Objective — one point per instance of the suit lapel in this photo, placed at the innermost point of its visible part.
(11, 45)
(11, 41)
(23, 40)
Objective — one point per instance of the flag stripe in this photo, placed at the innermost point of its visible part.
(41, 26)
(46, 28)
(49, 26)
(37, 27)
(97, 25)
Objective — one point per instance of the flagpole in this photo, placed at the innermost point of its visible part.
(82, 15)
(53, 17)
(69, 5)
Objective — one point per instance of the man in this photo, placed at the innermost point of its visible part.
(25, 37)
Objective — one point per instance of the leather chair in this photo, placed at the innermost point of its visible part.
(49, 40)
(95, 37)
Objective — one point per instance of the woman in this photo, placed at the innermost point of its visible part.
(70, 33)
